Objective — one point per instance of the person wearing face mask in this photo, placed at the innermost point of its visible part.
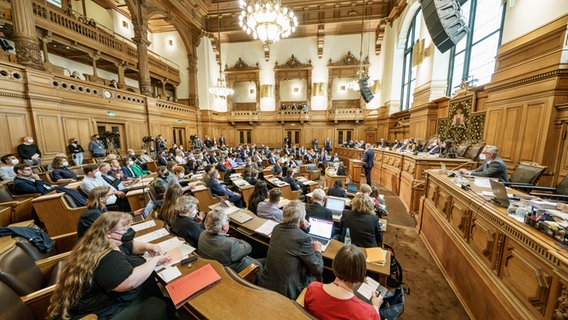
(97, 147)
(179, 175)
(76, 152)
(132, 170)
(492, 167)
(106, 275)
(29, 152)
(61, 172)
(7, 172)
(188, 221)
(93, 178)
(26, 182)
(96, 206)
(161, 182)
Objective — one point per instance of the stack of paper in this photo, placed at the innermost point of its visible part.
(266, 228)
(377, 255)
(188, 286)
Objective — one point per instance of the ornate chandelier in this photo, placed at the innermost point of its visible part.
(354, 84)
(267, 20)
(220, 90)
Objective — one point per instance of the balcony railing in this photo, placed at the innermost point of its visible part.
(346, 114)
(244, 116)
(294, 115)
(55, 20)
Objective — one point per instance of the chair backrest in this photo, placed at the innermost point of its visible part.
(527, 173)
(12, 306)
(474, 151)
(301, 308)
(152, 166)
(235, 276)
(19, 271)
(461, 150)
(5, 194)
(562, 187)
(56, 214)
(205, 198)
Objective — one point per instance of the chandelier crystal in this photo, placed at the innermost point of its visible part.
(354, 83)
(220, 90)
(267, 20)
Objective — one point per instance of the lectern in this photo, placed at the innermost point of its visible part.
(355, 167)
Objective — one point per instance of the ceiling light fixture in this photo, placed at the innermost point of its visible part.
(220, 90)
(360, 74)
(267, 20)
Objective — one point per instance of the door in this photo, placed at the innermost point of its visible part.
(294, 136)
(179, 135)
(112, 134)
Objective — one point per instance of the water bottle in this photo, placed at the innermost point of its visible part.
(347, 239)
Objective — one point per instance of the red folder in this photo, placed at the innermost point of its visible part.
(188, 286)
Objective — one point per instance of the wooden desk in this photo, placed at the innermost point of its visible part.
(499, 267)
(311, 184)
(355, 167)
(330, 178)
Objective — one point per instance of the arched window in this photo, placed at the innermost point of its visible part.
(473, 58)
(56, 3)
(408, 70)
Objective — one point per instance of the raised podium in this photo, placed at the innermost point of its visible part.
(355, 167)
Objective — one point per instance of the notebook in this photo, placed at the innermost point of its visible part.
(500, 194)
(188, 286)
(320, 230)
(240, 217)
(352, 188)
(336, 206)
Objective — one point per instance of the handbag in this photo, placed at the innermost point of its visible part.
(393, 304)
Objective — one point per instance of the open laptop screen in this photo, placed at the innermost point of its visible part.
(351, 187)
(321, 228)
(334, 204)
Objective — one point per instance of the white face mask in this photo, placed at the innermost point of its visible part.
(30, 141)
(98, 174)
(130, 163)
(482, 157)
(65, 164)
(15, 161)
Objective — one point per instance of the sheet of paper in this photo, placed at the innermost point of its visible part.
(169, 274)
(153, 235)
(169, 244)
(368, 287)
(486, 194)
(482, 183)
(143, 225)
(266, 228)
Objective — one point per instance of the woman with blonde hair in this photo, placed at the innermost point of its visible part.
(167, 211)
(362, 222)
(104, 275)
(96, 206)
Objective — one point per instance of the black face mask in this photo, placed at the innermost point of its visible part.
(128, 235)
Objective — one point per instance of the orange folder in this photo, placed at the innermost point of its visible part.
(376, 255)
(188, 286)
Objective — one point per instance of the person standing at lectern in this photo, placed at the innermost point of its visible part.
(368, 159)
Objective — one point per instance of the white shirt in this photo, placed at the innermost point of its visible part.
(89, 183)
(7, 173)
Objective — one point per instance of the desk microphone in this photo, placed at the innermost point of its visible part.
(465, 186)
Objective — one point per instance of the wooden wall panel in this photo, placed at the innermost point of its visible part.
(532, 136)
(16, 128)
(79, 128)
(50, 135)
(510, 132)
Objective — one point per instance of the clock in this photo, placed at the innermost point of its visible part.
(107, 94)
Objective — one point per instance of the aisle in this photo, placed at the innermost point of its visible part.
(431, 296)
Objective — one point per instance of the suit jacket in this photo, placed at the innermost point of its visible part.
(26, 186)
(188, 229)
(294, 185)
(162, 161)
(290, 260)
(315, 210)
(337, 192)
(217, 189)
(369, 158)
(228, 251)
(494, 169)
(364, 228)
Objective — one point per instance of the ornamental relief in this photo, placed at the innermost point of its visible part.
(293, 62)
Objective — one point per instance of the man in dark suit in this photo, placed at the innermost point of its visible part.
(26, 182)
(337, 190)
(368, 159)
(219, 190)
(493, 167)
(292, 256)
(328, 145)
(162, 158)
(316, 208)
(221, 141)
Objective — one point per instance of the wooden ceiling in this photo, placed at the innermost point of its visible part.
(338, 17)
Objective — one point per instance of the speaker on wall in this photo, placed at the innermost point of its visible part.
(445, 22)
(365, 91)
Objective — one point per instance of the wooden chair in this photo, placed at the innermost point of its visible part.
(526, 174)
(21, 205)
(310, 174)
(152, 166)
(206, 199)
(474, 151)
(5, 216)
(462, 149)
(287, 193)
(56, 214)
(244, 281)
(560, 192)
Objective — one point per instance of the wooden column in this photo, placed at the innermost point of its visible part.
(140, 23)
(25, 37)
(193, 97)
(94, 56)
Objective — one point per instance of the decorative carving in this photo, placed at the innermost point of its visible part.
(348, 60)
(241, 65)
(266, 52)
(293, 62)
(28, 53)
(320, 40)
(379, 36)
(462, 124)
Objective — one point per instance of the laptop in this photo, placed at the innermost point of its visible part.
(352, 188)
(336, 206)
(145, 213)
(226, 206)
(320, 230)
(500, 194)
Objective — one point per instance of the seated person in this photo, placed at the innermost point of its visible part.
(217, 189)
(316, 209)
(104, 275)
(337, 190)
(132, 170)
(336, 300)
(294, 184)
(7, 172)
(116, 169)
(362, 222)
(268, 209)
(178, 175)
(96, 206)
(340, 169)
(449, 150)
(216, 244)
(161, 182)
(492, 167)
(93, 178)
(167, 210)
(292, 256)
(188, 222)
(26, 182)
(61, 172)
(107, 176)
(259, 194)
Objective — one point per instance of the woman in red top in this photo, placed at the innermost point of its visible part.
(336, 300)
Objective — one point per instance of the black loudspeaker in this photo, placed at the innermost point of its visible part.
(445, 22)
(365, 91)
